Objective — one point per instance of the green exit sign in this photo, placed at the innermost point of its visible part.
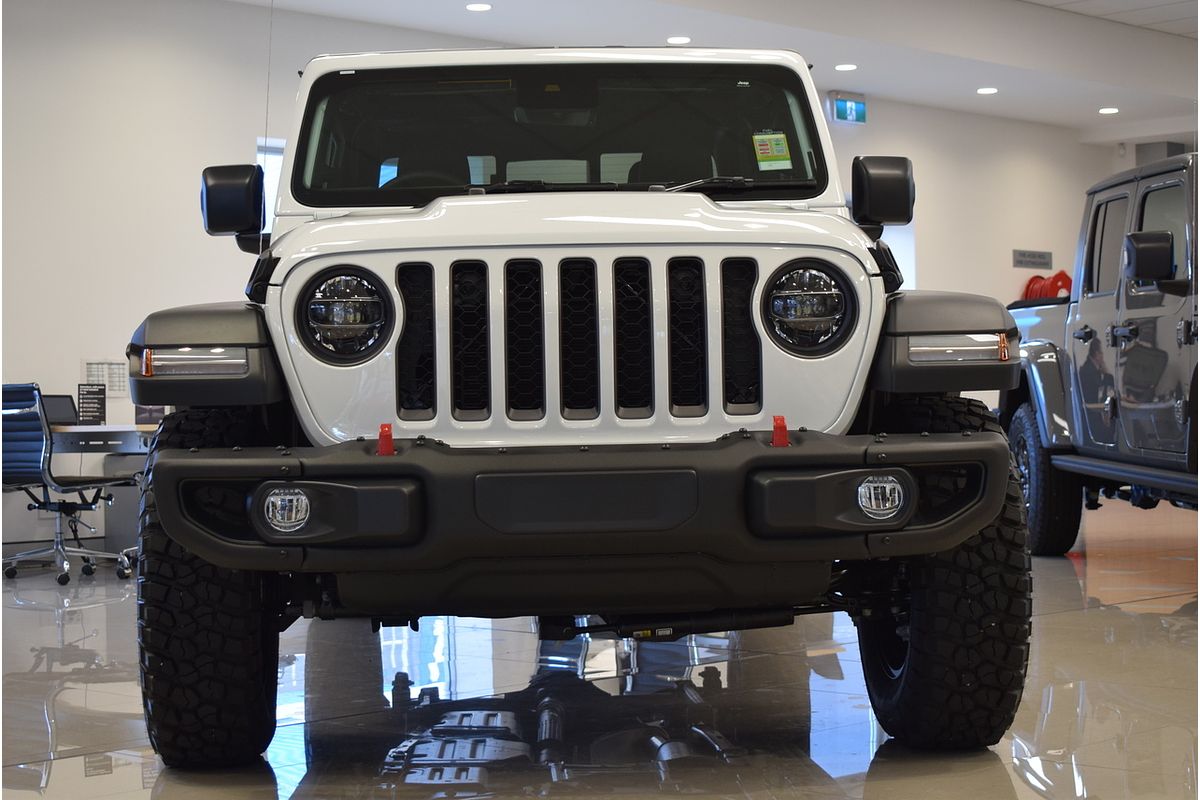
(848, 107)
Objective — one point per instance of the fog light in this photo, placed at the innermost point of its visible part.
(880, 496)
(287, 509)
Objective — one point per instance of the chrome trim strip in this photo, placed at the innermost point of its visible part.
(200, 361)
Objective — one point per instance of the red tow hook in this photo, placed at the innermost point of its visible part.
(779, 437)
(387, 445)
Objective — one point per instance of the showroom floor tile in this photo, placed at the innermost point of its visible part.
(1109, 708)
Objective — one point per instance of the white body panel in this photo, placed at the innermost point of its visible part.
(336, 403)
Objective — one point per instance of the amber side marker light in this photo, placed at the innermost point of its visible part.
(203, 360)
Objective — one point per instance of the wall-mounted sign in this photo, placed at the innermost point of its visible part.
(1033, 259)
(91, 404)
(848, 107)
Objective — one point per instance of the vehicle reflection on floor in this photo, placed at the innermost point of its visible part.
(1130, 725)
(1109, 709)
(480, 710)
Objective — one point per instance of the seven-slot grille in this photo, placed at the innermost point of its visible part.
(551, 313)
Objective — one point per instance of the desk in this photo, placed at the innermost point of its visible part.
(123, 439)
(123, 448)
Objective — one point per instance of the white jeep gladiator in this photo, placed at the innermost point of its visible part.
(591, 335)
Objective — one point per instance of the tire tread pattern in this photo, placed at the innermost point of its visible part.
(208, 651)
(1055, 501)
(970, 614)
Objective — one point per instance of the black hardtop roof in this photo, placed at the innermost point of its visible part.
(1145, 171)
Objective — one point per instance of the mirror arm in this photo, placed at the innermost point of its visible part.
(1178, 287)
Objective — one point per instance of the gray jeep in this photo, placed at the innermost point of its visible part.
(1107, 399)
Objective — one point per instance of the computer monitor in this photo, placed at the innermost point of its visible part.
(60, 409)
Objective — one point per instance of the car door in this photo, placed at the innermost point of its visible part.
(1093, 359)
(1156, 354)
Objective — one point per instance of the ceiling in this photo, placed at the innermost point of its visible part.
(1053, 61)
(1156, 15)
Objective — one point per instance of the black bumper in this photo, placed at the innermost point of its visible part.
(729, 524)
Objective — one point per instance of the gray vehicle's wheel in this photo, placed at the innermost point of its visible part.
(947, 668)
(1053, 498)
(207, 635)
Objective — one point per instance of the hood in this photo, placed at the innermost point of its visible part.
(569, 219)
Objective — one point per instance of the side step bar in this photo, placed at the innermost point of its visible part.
(1133, 474)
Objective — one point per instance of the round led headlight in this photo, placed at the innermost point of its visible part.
(808, 308)
(344, 315)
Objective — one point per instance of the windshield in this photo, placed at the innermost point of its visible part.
(406, 136)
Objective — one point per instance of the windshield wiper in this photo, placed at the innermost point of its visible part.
(542, 186)
(736, 182)
(731, 181)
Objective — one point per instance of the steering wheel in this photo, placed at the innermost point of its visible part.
(429, 178)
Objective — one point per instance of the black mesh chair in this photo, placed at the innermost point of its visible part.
(27, 450)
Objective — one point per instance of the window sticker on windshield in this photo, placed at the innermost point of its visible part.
(771, 150)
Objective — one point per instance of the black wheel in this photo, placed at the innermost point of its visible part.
(88, 569)
(1053, 498)
(123, 573)
(207, 635)
(945, 665)
(10, 572)
(63, 578)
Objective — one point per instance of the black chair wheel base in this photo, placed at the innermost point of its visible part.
(10, 572)
(123, 573)
(63, 578)
(88, 569)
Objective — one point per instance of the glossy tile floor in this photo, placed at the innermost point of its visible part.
(1109, 710)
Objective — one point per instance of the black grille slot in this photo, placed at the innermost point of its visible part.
(685, 337)
(416, 355)
(742, 362)
(633, 334)
(579, 339)
(524, 344)
(470, 383)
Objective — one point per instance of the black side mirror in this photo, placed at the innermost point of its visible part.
(231, 200)
(882, 190)
(1149, 256)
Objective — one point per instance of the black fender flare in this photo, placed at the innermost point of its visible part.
(912, 317)
(212, 325)
(1043, 365)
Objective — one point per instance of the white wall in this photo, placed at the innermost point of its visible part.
(985, 187)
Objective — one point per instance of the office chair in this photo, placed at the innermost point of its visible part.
(27, 449)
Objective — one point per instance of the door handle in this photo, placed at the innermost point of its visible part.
(1124, 333)
(1084, 334)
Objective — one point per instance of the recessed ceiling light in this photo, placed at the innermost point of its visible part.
(679, 40)
(1110, 110)
(479, 6)
(987, 90)
(846, 67)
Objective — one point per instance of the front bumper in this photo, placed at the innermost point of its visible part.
(733, 523)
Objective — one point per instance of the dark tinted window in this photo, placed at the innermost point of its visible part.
(406, 136)
(1108, 236)
(1165, 209)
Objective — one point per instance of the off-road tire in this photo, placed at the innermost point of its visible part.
(954, 681)
(207, 637)
(1053, 498)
